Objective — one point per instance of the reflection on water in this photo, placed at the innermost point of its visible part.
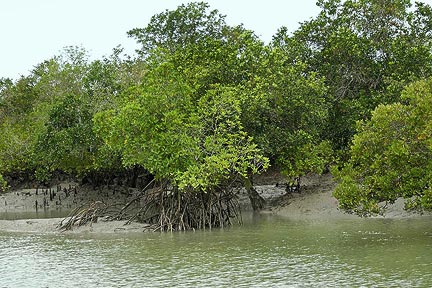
(266, 251)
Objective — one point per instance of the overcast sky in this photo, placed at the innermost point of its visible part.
(35, 30)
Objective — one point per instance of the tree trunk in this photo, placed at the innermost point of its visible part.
(257, 201)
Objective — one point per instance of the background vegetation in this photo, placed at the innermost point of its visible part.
(203, 106)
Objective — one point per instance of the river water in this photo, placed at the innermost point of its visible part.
(266, 251)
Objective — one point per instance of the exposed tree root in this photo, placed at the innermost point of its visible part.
(171, 210)
(258, 203)
(165, 209)
(83, 215)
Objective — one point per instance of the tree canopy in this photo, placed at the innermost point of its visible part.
(391, 156)
(367, 51)
(203, 106)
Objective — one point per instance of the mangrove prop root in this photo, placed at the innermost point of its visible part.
(189, 211)
(164, 210)
(171, 210)
(123, 211)
(83, 215)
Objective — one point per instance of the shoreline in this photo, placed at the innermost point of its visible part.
(315, 201)
(49, 226)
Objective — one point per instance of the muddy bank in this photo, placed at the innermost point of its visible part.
(49, 225)
(314, 200)
(41, 209)
(62, 198)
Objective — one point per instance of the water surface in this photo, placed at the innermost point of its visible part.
(266, 251)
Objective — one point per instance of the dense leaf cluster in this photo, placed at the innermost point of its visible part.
(391, 156)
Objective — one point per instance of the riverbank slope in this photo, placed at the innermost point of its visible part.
(314, 200)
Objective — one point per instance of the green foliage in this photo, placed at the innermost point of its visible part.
(367, 51)
(283, 107)
(310, 157)
(16, 146)
(177, 29)
(285, 112)
(79, 117)
(225, 148)
(46, 117)
(233, 59)
(68, 141)
(194, 144)
(17, 99)
(391, 156)
(3, 184)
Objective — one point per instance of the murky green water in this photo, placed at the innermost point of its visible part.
(265, 252)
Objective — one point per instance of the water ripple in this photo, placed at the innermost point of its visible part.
(272, 253)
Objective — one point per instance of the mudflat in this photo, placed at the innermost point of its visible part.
(314, 200)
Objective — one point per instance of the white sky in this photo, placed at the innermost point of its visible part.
(32, 31)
